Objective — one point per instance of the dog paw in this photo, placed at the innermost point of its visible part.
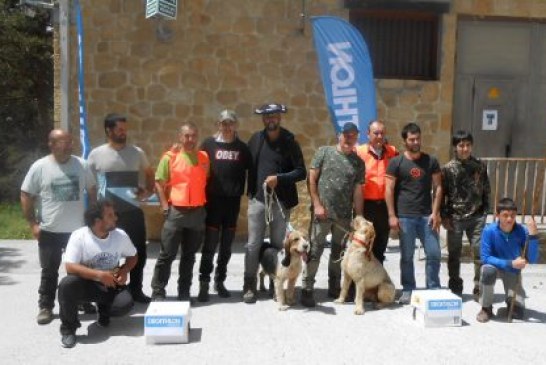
(359, 311)
(283, 307)
(339, 301)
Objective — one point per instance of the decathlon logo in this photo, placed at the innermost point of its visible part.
(342, 76)
(444, 305)
(164, 321)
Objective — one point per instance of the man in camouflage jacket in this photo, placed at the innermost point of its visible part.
(464, 208)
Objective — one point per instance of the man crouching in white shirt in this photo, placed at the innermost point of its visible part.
(92, 260)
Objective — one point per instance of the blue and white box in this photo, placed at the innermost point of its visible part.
(167, 322)
(436, 308)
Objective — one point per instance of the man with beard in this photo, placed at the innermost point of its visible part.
(55, 185)
(412, 211)
(181, 178)
(277, 166)
(117, 164)
(335, 180)
(92, 260)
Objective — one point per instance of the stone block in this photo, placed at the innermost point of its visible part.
(112, 79)
(162, 109)
(193, 80)
(244, 25)
(226, 97)
(182, 111)
(140, 109)
(126, 94)
(156, 92)
(430, 92)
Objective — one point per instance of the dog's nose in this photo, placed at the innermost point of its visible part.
(305, 246)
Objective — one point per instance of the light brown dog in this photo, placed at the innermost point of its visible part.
(285, 267)
(360, 265)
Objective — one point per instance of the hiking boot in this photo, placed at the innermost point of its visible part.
(203, 295)
(45, 316)
(103, 321)
(68, 341)
(518, 312)
(221, 290)
(485, 314)
(405, 298)
(249, 290)
(87, 308)
(140, 297)
(307, 299)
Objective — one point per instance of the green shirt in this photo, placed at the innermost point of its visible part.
(339, 175)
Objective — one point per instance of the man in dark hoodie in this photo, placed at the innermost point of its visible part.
(277, 166)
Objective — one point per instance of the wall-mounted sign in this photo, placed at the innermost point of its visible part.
(493, 93)
(490, 120)
(166, 8)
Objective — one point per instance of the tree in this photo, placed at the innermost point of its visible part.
(26, 92)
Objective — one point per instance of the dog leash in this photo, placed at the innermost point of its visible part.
(269, 199)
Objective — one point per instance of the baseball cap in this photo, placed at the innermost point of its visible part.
(349, 127)
(272, 108)
(227, 115)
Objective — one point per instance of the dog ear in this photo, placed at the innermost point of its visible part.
(286, 259)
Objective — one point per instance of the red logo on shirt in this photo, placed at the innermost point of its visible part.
(415, 172)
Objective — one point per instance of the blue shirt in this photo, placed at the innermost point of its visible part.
(499, 248)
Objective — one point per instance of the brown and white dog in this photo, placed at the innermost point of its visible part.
(285, 267)
(360, 265)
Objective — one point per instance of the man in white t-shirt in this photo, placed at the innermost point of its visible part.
(52, 198)
(92, 260)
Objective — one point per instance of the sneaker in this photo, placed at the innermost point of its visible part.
(485, 314)
(45, 316)
(405, 298)
(221, 290)
(87, 308)
(140, 297)
(249, 297)
(68, 341)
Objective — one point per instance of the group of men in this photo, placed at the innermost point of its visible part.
(200, 188)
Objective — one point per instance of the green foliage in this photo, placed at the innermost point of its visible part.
(12, 223)
(26, 93)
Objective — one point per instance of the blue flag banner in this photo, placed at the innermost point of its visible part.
(84, 134)
(346, 71)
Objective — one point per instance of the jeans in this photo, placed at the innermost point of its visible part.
(74, 289)
(318, 232)
(489, 275)
(410, 229)
(376, 212)
(50, 249)
(256, 233)
(473, 227)
(222, 214)
(132, 222)
(183, 227)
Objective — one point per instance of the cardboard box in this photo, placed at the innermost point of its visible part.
(436, 308)
(167, 322)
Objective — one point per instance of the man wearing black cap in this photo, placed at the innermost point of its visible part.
(335, 180)
(277, 166)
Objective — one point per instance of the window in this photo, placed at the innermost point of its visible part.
(403, 44)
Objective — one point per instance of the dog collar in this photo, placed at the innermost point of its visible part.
(362, 243)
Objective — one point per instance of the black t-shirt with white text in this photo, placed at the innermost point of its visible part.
(229, 163)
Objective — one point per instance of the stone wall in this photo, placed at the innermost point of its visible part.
(239, 54)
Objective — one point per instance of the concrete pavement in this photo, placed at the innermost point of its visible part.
(231, 332)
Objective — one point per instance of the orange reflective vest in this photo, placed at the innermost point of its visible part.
(186, 185)
(374, 187)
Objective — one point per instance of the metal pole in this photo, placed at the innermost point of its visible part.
(64, 31)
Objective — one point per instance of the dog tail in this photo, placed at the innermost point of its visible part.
(269, 258)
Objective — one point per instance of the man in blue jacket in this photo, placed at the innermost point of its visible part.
(502, 255)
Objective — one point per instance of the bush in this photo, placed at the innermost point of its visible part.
(12, 223)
